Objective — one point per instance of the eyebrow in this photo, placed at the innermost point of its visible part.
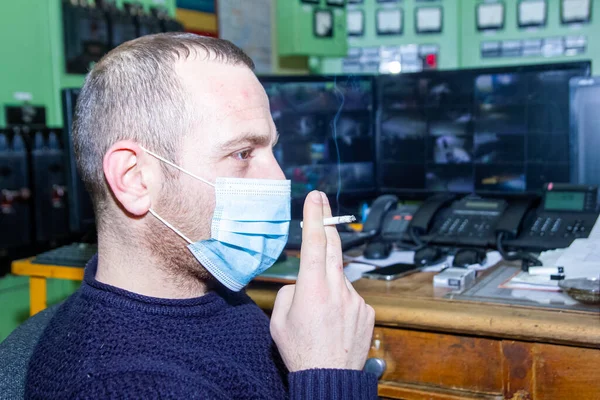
(249, 138)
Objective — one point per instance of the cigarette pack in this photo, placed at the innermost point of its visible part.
(455, 278)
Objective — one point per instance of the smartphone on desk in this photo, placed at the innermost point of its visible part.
(391, 272)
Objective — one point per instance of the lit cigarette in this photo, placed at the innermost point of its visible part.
(344, 219)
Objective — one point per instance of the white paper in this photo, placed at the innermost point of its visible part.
(490, 15)
(389, 21)
(550, 257)
(247, 24)
(429, 19)
(532, 12)
(575, 10)
(543, 297)
(355, 21)
(524, 280)
(581, 259)
(354, 271)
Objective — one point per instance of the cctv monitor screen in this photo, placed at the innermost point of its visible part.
(502, 130)
(325, 127)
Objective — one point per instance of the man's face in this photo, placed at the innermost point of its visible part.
(236, 133)
(233, 137)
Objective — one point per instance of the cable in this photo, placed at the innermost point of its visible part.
(420, 244)
(415, 238)
(527, 259)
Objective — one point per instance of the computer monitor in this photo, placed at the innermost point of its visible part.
(585, 130)
(495, 130)
(81, 211)
(326, 133)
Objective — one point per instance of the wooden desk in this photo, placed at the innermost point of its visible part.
(436, 348)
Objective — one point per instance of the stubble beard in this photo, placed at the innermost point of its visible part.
(190, 212)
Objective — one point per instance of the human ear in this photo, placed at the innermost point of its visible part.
(128, 175)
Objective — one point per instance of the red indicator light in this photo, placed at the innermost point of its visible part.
(431, 60)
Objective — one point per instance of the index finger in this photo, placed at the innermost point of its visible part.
(314, 244)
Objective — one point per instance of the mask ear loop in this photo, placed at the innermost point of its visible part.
(177, 231)
(170, 226)
(178, 167)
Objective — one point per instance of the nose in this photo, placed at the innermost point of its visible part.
(270, 169)
(277, 171)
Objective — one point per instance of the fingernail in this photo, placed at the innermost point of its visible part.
(315, 196)
(324, 197)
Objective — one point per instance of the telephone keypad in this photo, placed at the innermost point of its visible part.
(466, 226)
(552, 226)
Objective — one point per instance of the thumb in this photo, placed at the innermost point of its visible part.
(283, 303)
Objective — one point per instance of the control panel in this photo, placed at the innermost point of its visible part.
(503, 32)
(386, 37)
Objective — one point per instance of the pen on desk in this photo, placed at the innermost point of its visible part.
(546, 270)
(344, 219)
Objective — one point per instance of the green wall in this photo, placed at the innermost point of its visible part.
(32, 59)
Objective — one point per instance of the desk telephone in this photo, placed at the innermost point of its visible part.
(563, 213)
(534, 223)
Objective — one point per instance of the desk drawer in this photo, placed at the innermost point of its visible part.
(434, 362)
(436, 366)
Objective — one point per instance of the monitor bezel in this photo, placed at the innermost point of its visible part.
(77, 222)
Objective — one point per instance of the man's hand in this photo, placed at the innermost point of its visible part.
(321, 321)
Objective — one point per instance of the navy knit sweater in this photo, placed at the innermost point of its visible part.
(105, 342)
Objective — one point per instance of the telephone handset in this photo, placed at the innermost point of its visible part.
(377, 212)
(423, 219)
(512, 219)
(509, 227)
(372, 225)
(397, 221)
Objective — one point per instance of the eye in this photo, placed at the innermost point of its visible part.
(242, 155)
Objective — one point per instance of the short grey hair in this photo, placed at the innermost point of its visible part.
(134, 93)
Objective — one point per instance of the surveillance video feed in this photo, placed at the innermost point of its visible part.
(475, 131)
(450, 178)
(500, 178)
(425, 128)
(325, 133)
(500, 102)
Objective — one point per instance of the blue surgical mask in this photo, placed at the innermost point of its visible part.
(249, 227)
